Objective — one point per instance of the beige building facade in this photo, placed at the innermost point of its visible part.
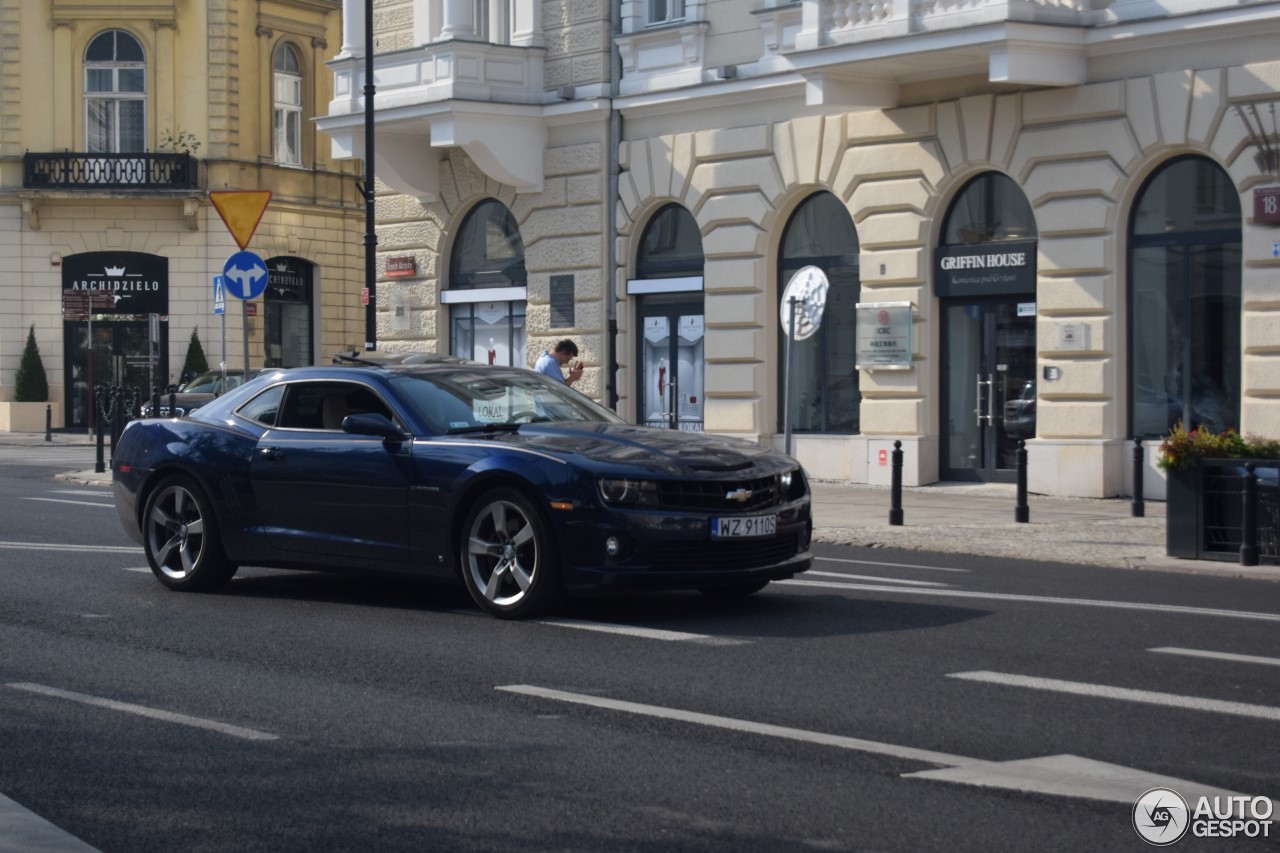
(115, 124)
(1032, 222)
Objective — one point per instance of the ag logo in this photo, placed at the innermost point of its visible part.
(1161, 817)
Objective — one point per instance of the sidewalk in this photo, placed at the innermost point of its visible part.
(947, 517)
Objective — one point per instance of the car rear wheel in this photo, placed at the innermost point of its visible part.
(180, 536)
(508, 556)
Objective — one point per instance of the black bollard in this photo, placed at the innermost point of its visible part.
(1022, 512)
(173, 401)
(48, 422)
(155, 401)
(100, 465)
(1137, 508)
(1249, 518)
(895, 487)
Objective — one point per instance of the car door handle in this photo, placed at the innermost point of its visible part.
(271, 453)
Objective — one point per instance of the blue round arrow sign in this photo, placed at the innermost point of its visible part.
(246, 275)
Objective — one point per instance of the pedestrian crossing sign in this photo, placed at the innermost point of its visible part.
(219, 295)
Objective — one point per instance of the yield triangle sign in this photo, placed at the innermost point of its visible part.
(241, 211)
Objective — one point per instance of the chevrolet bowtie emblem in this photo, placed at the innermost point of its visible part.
(740, 495)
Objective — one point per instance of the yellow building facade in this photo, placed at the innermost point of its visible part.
(116, 121)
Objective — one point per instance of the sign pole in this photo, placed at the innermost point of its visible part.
(223, 361)
(786, 383)
(244, 315)
(89, 368)
(371, 232)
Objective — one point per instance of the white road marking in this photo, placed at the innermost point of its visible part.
(102, 491)
(143, 711)
(1227, 656)
(821, 738)
(1058, 775)
(1042, 599)
(50, 546)
(645, 633)
(78, 503)
(144, 569)
(811, 573)
(1125, 694)
(25, 830)
(884, 563)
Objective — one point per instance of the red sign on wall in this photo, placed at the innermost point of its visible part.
(1266, 206)
(402, 266)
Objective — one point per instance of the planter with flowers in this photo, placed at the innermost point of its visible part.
(1204, 495)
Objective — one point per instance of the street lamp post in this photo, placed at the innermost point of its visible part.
(370, 232)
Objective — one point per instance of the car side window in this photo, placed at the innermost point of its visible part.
(265, 407)
(323, 405)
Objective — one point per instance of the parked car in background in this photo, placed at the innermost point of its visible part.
(1020, 412)
(190, 396)
(499, 478)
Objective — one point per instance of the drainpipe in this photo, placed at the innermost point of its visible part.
(611, 215)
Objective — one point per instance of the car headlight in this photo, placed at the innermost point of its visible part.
(791, 483)
(628, 492)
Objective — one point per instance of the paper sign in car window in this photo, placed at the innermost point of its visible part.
(490, 411)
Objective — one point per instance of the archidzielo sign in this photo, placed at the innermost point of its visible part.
(986, 269)
(118, 282)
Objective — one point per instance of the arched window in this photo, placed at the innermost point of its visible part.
(824, 381)
(115, 94)
(1185, 300)
(991, 208)
(487, 287)
(286, 76)
(671, 246)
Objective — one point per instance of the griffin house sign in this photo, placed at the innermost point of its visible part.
(986, 269)
(136, 283)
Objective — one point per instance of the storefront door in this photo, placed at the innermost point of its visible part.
(989, 386)
(120, 358)
(671, 363)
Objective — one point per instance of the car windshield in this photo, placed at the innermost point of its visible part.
(211, 383)
(488, 398)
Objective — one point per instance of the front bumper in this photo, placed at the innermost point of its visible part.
(675, 550)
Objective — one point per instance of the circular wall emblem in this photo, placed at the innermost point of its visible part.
(1161, 817)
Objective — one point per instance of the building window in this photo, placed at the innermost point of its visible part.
(115, 94)
(671, 245)
(824, 381)
(666, 11)
(991, 208)
(287, 111)
(487, 288)
(1185, 300)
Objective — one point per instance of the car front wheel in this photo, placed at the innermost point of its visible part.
(508, 556)
(180, 536)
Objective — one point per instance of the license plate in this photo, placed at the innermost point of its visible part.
(744, 525)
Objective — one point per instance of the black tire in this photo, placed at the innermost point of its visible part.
(180, 537)
(733, 591)
(508, 556)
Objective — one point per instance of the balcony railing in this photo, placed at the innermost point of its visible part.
(844, 21)
(133, 171)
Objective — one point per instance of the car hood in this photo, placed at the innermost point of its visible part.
(653, 450)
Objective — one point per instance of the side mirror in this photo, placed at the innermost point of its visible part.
(372, 424)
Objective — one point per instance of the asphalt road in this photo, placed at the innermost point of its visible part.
(302, 711)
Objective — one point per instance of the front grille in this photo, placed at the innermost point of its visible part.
(724, 554)
(701, 495)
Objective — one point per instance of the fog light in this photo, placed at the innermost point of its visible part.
(612, 546)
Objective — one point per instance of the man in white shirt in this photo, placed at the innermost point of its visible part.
(551, 362)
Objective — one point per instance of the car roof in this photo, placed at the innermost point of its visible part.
(383, 358)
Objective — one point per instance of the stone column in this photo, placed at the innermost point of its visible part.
(65, 105)
(352, 28)
(162, 77)
(266, 95)
(459, 20)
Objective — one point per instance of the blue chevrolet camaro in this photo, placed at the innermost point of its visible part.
(517, 485)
